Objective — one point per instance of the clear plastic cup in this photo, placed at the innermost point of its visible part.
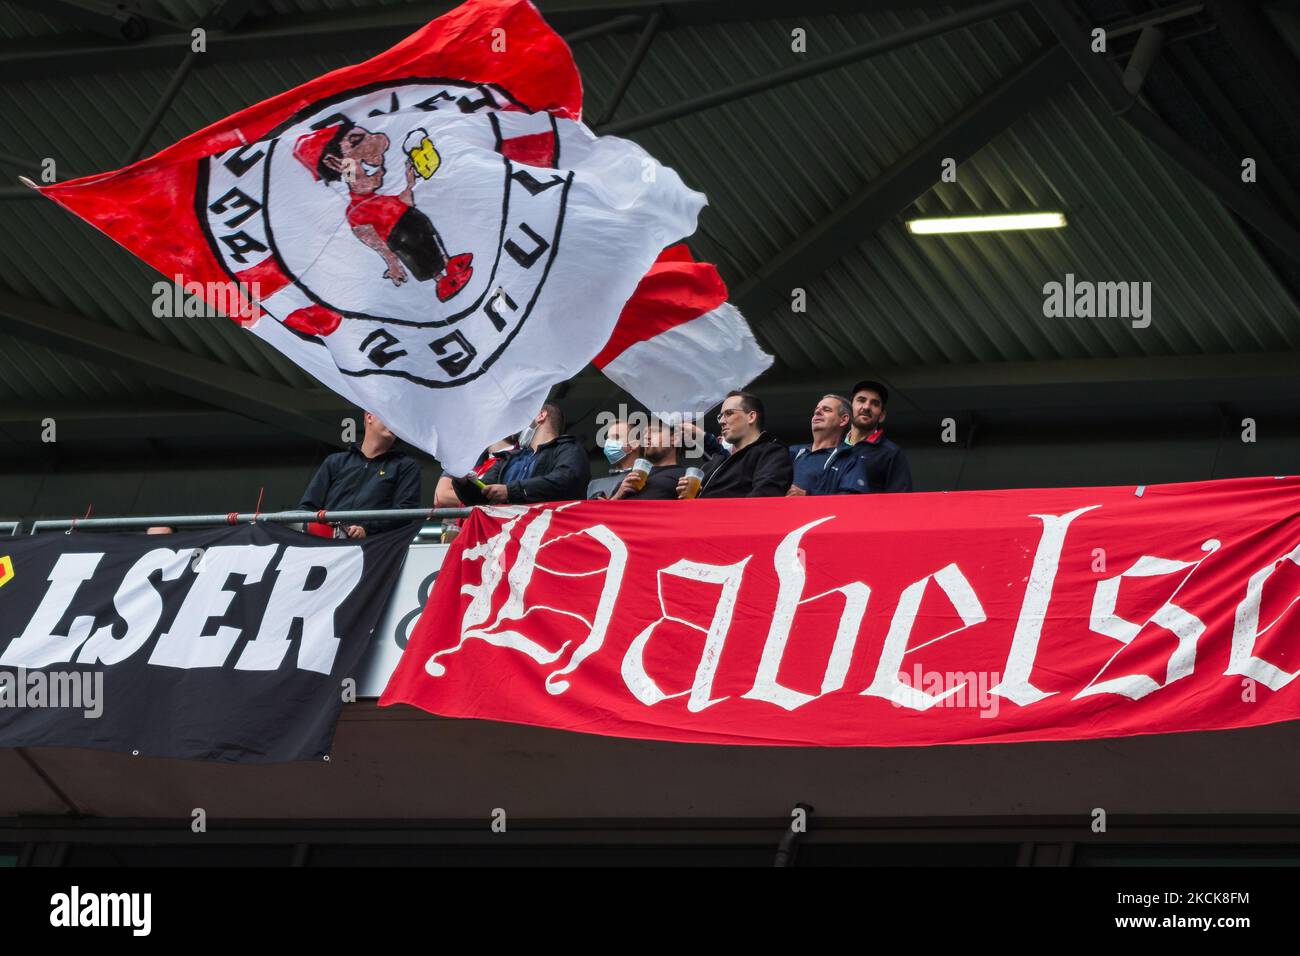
(640, 472)
(693, 478)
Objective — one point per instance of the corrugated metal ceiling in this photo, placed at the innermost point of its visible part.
(773, 165)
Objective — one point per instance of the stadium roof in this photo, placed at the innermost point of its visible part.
(811, 160)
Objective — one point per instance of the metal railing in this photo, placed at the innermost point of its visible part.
(10, 527)
(435, 515)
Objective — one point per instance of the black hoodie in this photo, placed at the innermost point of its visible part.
(761, 469)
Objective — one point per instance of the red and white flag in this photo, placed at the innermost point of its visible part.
(432, 233)
(679, 345)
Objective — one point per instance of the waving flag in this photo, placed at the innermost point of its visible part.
(679, 346)
(432, 233)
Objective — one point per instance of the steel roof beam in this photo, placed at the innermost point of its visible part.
(1263, 53)
(291, 409)
(1254, 210)
(877, 202)
(1233, 128)
(160, 108)
(228, 14)
(853, 54)
(633, 64)
(369, 31)
(1062, 383)
(110, 20)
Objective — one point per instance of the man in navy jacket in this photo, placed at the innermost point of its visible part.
(884, 464)
(828, 466)
(547, 466)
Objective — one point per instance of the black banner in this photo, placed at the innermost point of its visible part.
(232, 644)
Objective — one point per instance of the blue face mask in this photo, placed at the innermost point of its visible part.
(614, 451)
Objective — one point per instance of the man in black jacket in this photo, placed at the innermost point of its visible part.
(366, 477)
(758, 466)
(547, 466)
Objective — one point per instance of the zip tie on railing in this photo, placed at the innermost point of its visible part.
(232, 517)
(90, 506)
(320, 515)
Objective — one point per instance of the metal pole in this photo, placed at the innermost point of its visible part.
(19, 192)
(1105, 78)
(160, 110)
(853, 54)
(633, 64)
(788, 848)
(625, 22)
(270, 517)
(1150, 40)
(22, 162)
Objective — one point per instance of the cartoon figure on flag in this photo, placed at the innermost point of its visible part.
(402, 235)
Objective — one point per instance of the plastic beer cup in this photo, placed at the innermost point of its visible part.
(640, 472)
(693, 478)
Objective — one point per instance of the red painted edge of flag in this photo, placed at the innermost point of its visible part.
(674, 291)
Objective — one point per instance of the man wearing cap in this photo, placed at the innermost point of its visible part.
(884, 463)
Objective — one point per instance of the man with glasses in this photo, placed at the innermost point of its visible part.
(758, 466)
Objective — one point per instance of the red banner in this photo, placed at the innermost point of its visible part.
(873, 620)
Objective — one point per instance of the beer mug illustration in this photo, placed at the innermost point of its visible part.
(418, 147)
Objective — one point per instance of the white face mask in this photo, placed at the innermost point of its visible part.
(526, 436)
(614, 451)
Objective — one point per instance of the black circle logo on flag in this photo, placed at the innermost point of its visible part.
(407, 227)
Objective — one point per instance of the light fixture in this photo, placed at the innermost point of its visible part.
(991, 223)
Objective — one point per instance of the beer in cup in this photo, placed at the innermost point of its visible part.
(639, 473)
(693, 478)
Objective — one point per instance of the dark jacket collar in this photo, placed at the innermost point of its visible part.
(392, 452)
(762, 437)
(557, 440)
